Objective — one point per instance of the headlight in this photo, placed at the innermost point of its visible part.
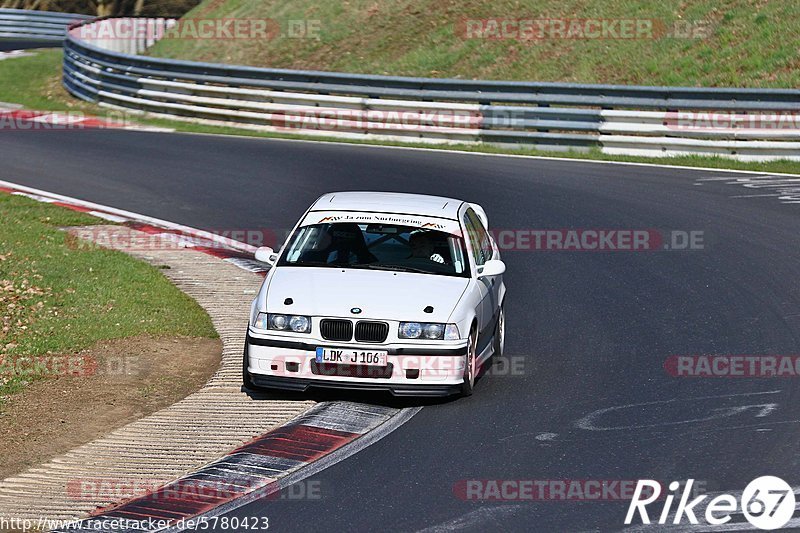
(410, 330)
(296, 323)
(299, 324)
(277, 321)
(429, 331)
(433, 331)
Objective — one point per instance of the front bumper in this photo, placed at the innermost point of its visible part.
(412, 370)
(303, 384)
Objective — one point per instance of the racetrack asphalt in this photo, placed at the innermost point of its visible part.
(6, 46)
(588, 332)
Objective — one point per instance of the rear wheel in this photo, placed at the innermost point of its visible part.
(500, 334)
(469, 366)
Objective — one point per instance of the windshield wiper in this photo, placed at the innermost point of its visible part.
(397, 268)
(312, 263)
(372, 266)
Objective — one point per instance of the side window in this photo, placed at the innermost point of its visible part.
(473, 241)
(479, 238)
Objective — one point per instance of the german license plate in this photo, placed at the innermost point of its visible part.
(343, 356)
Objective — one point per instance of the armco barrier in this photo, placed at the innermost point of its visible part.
(41, 26)
(102, 63)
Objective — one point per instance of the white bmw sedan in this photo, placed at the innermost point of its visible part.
(379, 291)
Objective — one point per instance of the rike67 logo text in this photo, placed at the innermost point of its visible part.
(767, 503)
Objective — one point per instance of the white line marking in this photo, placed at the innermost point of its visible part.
(479, 154)
(36, 197)
(49, 197)
(788, 189)
(484, 154)
(721, 178)
(107, 216)
(479, 519)
(588, 422)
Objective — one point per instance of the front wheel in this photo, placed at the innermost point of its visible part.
(469, 367)
(247, 382)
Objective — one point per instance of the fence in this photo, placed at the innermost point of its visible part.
(41, 26)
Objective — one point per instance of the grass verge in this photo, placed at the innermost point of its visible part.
(35, 82)
(57, 298)
(737, 43)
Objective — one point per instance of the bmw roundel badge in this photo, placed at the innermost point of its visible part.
(356, 310)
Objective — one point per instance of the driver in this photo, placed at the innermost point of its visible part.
(422, 247)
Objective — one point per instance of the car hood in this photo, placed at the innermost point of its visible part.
(379, 294)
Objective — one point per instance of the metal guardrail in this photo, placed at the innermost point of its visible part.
(42, 26)
(749, 124)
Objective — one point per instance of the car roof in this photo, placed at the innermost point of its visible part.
(389, 202)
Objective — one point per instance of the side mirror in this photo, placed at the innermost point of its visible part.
(265, 254)
(493, 267)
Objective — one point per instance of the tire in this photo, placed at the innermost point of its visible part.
(500, 334)
(469, 367)
(247, 383)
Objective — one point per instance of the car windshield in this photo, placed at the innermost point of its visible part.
(377, 246)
